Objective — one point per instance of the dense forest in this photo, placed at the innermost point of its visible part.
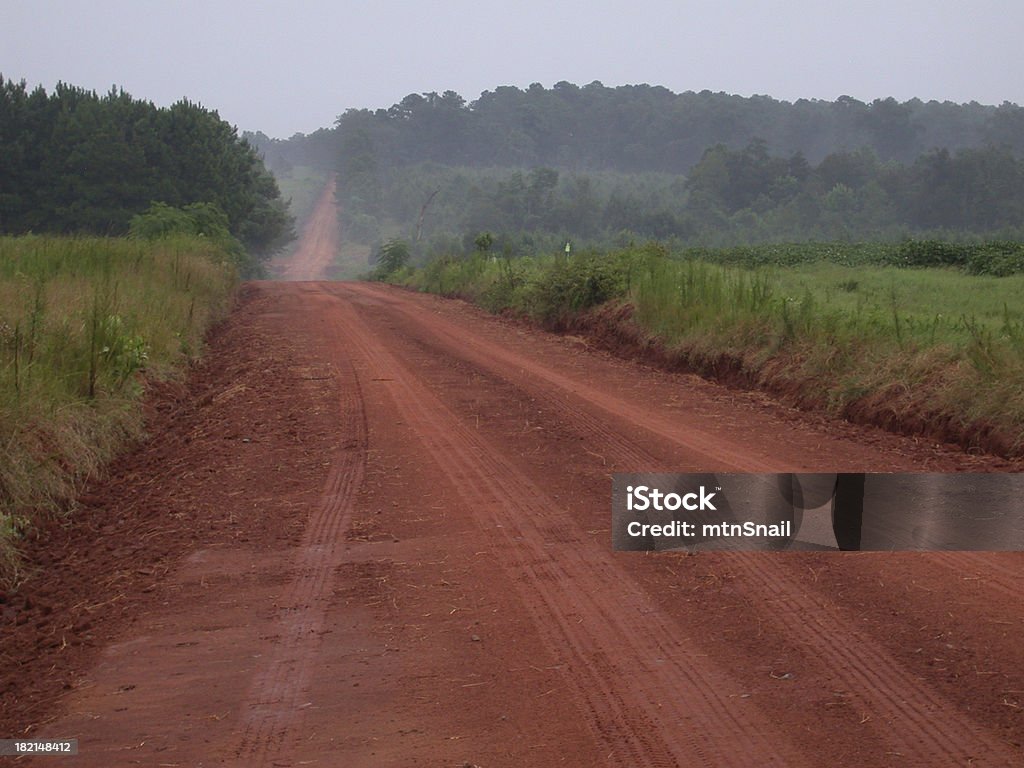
(534, 166)
(603, 164)
(281, 156)
(641, 128)
(730, 197)
(72, 161)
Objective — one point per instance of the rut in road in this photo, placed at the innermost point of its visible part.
(274, 701)
(710, 449)
(699, 449)
(989, 566)
(649, 696)
(920, 725)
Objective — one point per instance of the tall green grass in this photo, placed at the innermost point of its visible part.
(927, 350)
(81, 320)
(935, 351)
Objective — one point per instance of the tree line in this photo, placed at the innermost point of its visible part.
(73, 161)
(641, 128)
(708, 168)
(730, 197)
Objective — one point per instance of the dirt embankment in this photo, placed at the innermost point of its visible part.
(898, 408)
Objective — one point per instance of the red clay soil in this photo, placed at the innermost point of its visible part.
(373, 530)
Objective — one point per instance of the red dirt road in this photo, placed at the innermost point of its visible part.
(383, 524)
(318, 244)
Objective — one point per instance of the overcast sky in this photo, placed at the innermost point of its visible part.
(294, 67)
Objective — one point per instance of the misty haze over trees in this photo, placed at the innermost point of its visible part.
(642, 128)
(599, 163)
(75, 162)
(534, 166)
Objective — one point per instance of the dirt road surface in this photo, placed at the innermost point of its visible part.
(382, 523)
(318, 244)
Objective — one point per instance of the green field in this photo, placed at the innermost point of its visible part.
(82, 322)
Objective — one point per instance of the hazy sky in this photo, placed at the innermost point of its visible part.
(289, 67)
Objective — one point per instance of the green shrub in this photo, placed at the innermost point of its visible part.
(161, 221)
(391, 257)
(998, 259)
(930, 253)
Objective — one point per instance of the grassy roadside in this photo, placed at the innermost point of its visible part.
(81, 321)
(930, 351)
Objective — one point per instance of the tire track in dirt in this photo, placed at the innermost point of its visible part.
(878, 683)
(650, 697)
(984, 566)
(918, 722)
(710, 449)
(274, 700)
(568, 394)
